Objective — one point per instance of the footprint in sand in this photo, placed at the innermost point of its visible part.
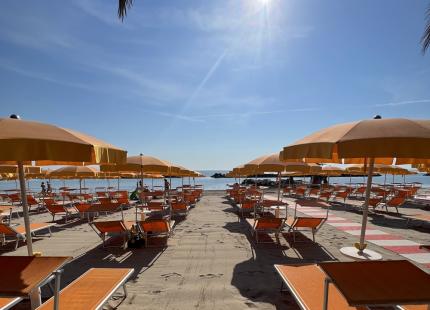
(211, 275)
(167, 276)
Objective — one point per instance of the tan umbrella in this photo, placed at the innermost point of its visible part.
(368, 141)
(74, 172)
(140, 163)
(272, 163)
(22, 141)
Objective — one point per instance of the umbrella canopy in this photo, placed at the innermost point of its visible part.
(140, 163)
(368, 141)
(22, 141)
(73, 171)
(272, 163)
(381, 168)
(14, 169)
(27, 141)
(382, 139)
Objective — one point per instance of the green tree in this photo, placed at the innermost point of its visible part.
(123, 5)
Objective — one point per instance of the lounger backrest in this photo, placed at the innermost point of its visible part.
(7, 230)
(308, 222)
(325, 195)
(110, 226)
(314, 191)
(155, 205)
(82, 207)
(155, 226)
(101, 194)
(15, 197)
(179, 206)
(342, 194)
(31, 200)
(396, 201)
(268, 223)
(104, 200)
(374, 201)
(53, 208)
(248, 204)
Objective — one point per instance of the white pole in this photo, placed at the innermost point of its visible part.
(279, 185)
(25, 208)
(366, 204)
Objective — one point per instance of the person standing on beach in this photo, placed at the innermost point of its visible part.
(166, 185)
(42, 185)
(49, 189)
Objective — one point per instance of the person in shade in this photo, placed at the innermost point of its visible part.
(43, 187)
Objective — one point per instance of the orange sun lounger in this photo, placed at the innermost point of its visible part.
(92, 290)
(395, 202)
(306, 284)
(18, 232)
(305, 223)
(104, 228)
(156, 228)
(266, 225)
(7, 303)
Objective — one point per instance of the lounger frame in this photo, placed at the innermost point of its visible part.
(12, 303)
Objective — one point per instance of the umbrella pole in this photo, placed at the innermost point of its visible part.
(366, 205)
(152, 183)
(118, 183)
(25, 208)
(279, 185)
(80, 186)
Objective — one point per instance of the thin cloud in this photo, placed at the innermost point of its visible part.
(400, 103)
(43, 77)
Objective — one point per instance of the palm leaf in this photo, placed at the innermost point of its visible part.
(425, 40)
(123, 5)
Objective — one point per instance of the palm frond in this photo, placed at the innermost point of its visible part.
(425, 40)
(123, 5)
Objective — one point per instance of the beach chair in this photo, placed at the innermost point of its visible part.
(374, 202)
(324, 195)
(156, 228)
(395, 202)
(266, 225)
(18, 232)
(300, 192)
(246, 206)
(8, 302)
(341, 194)
(104, 228)
(92, 290)
(6, 213)
(180, 208)
(306, 223)
(313, 192)
(59, 209)
(306, 284)
(31, 201)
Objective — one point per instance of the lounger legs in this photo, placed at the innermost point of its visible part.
(125, 290)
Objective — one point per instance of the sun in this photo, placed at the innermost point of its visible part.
(264, 2)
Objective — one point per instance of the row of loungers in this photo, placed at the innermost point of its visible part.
(251, 201)
(90, 291)
(149, 229)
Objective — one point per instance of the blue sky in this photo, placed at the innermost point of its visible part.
(211, 84)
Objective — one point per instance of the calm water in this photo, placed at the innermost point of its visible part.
(208, 182)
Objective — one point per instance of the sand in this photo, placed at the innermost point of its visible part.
(211, 261)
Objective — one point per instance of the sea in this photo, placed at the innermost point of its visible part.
(208, 182)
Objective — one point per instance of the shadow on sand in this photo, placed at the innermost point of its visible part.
(256, 278)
